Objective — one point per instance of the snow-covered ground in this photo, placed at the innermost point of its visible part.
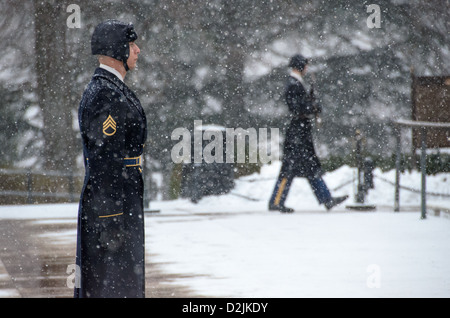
(231, 246)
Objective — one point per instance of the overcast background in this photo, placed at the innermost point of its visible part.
(222, 62)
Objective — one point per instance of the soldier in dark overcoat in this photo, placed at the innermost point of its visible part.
(299, 156)
(110, 239)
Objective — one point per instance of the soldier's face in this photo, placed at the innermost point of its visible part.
(305, 69)
(134, 52)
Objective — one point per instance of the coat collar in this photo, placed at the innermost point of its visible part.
(112, 70)
(100, 72)
(298, 77)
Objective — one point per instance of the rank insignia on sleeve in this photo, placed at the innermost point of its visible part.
(109, 126)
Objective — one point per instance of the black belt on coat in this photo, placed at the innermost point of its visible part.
(132, 162)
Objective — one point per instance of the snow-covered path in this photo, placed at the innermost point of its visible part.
(229, 246)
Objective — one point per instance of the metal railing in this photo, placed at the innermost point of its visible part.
(423, 126)
(30, 193)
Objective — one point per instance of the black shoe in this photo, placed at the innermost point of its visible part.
(280, 208)
(335, 201)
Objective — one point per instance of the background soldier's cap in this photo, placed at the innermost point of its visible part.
(298, 62)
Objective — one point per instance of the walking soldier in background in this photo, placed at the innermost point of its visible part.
(110, 239)
(299, 157)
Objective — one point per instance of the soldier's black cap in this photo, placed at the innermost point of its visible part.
(298, 62)
(111, 38)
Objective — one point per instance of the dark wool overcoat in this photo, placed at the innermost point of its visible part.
(299, 156)
(110, 239)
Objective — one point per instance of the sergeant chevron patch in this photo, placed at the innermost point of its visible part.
(109, 126)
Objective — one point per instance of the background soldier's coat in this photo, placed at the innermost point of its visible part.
(299, 156)
(110, 240)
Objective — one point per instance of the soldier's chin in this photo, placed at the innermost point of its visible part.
(132, 66)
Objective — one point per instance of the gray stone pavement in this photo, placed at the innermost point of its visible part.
(34, 260)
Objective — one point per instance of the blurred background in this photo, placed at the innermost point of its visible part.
(223, 62)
